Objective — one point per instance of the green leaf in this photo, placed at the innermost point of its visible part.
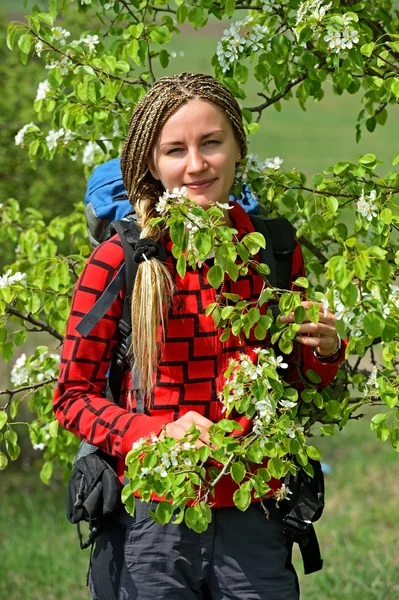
(367, 49)
(254, 241)
(374, 324)
(242, 498)
(299, 314)
(215, 276)
(3, 418)
(301, 282)
(181, 265)
(3, 461)
(377, 420)
(160, 34)
(313, 376)
(203, 453)
(367, 159)
(24, 43)
(46, 472)
(164, 58)
(314, 313)
(181, 14)
(356, 57)
(164, 512)
(237, 471)
(230, 7)
(327, 430)
(7, 351)
(53, 429)
(396, 159)
(197, 17)
(395, 88)
(203, 243)
(314, 453)
(276, 468)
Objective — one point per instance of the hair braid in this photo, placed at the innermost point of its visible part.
(153, 290)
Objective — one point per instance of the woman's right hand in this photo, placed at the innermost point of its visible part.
(178, 429)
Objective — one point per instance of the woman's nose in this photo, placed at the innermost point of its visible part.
(196, 161)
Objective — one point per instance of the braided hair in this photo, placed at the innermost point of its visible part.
(153, 290)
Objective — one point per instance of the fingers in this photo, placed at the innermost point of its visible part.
(178, 429)
(326, 317)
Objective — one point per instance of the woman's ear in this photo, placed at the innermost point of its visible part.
(152, 168)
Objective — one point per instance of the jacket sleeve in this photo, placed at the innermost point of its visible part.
(302, 358)
(80, 404)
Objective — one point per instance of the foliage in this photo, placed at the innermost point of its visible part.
(39, 188)
(347, 219)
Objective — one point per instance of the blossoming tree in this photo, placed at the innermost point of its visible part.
(347, 220)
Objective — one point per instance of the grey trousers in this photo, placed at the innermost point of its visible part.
(241, 556)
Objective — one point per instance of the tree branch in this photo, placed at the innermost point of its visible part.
(80, 64)
(42, 326)
(277, 97)
(313, 249)
(25, 388)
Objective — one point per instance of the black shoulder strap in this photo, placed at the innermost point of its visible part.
(129, 234)
(279, 236)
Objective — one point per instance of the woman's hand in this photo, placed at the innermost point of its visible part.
(178, 429)
(321, 336)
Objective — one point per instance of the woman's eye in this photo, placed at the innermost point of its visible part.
(174, 150)
(212, 142)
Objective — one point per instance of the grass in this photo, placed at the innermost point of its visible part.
(41, 559)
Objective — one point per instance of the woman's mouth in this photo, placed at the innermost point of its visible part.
(200, 185)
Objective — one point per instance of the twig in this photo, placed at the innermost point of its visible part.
(25, 388)
(313, 249)
(37, 322)
(277, 97)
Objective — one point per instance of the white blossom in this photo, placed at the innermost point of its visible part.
(282, 493)
(60, 35)
(25, 369)
(292, 429)
(274, 163)
(269, 6)
(43, 89)
(368, 210)
(52, 138)
(40, 446)
(140, 443)
(91, 41)
(19, 138)
(9, 279)
(89, 153)
(238, 41)
(350, 37)
(39, 48)
(224, 205)
(287, 403)
(372, 382)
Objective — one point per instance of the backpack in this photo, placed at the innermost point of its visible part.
(109, 211)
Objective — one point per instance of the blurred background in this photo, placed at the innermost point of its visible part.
(39, 549)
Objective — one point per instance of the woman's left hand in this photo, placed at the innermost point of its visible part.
(322, 336)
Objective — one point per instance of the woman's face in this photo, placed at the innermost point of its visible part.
(196, 148)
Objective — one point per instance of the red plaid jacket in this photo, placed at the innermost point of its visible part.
(190, 372)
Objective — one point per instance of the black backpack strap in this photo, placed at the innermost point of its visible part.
(301, 509)
(129, 234)
(279, 236)
(105, 301)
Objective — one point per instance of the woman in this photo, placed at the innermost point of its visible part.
(187, 131)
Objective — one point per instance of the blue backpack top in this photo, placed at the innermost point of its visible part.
(106, 200)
